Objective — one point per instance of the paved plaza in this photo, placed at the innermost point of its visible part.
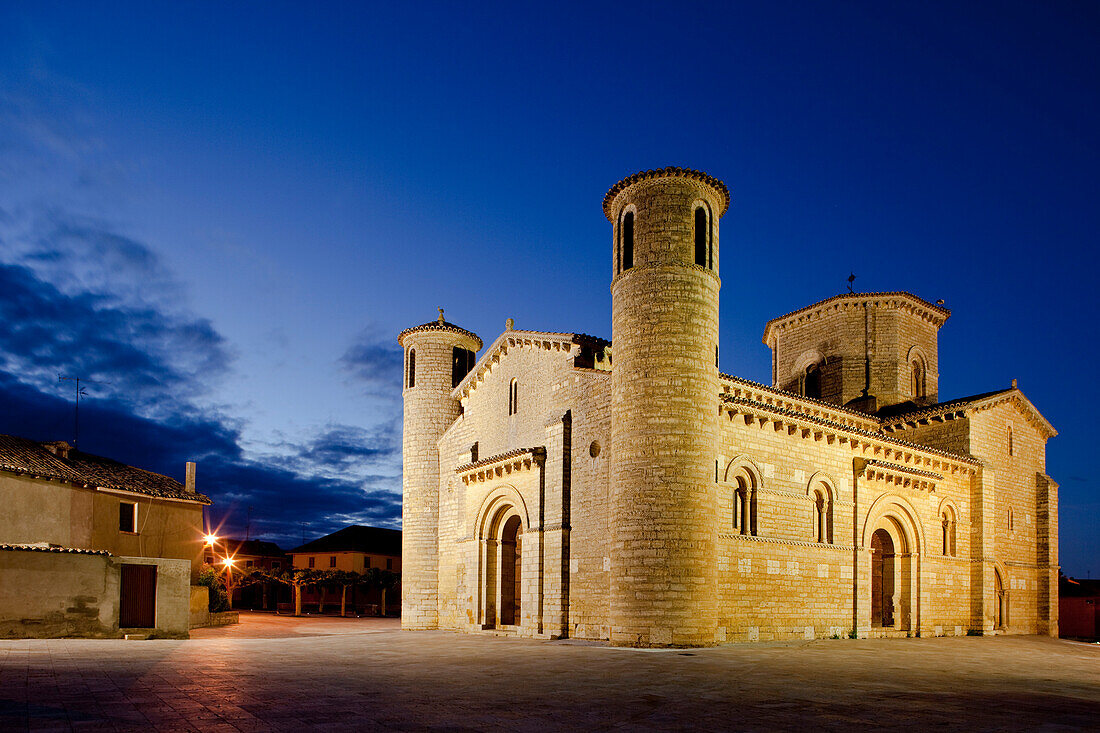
(276, 673)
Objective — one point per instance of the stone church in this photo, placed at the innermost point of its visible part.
(562, 485)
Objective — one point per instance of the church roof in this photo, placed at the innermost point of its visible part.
(438, 325)
(667, 173)
(977, 402)
(30, 457)
(548, 340)
(937, 314)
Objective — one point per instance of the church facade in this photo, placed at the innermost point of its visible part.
(562, 485)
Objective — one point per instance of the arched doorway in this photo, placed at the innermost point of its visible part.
(882, 579)
(500, 565)
(511, 577)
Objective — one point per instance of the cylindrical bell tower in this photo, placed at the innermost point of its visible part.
(664, 407)
(438, 355)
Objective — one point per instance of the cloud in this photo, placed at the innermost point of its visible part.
(376, 362)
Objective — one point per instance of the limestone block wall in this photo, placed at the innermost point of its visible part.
(429, 411)
(664, 400)
(845, 332)
(1016, 511)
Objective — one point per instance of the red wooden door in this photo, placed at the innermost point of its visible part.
(138, 602)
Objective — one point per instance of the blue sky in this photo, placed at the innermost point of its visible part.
(228, 213)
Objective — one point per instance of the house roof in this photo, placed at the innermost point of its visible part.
(31, 457)
(356, 538)
(251, 547)
(46, 547)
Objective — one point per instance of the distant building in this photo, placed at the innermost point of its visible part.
(1079, 608)
(247, 556)
(356, 549)
(91, 546)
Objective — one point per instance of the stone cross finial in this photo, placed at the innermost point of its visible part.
(509, 324)
(1013, 384)
(441, 315)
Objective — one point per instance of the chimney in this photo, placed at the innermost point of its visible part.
(189, 481)
(59, 448)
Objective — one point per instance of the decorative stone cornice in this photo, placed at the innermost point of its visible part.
(898, 300)
(960, 408)
(517, 339)
(504, 464)
(899, 475)
(884, 447)
(754, 391)
(439, 325)
(669, 172)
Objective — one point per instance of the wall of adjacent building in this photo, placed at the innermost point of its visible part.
(58, 594)
(37, 510)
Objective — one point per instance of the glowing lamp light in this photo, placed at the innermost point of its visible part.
(228, 562)
(210, 539)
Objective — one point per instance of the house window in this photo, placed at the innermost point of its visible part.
(411, 381)
(276, 565)
(628, 240)
(127, 517)
(513, 397)
(209, 560)
(389, 563)
(249, 563)
(313, 562)
(332, 561)
(701, 236)
(366, 562)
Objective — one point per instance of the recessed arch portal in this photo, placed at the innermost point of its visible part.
(499, 529)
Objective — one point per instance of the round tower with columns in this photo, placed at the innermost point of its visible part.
(664, 407)
(438, 355)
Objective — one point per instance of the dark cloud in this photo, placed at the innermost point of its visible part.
(100, 322)
(376, 361)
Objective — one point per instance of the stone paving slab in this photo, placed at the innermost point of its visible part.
(279, 674)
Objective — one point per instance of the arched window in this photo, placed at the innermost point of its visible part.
(701, 236)
(822, 529)
(917, 373)
(744, 506)
(462, 361)
(947, 520)
(411, 382)
(513, 397)
(628, 240)
(811, 382)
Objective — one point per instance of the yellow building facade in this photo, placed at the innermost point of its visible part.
(562, 485)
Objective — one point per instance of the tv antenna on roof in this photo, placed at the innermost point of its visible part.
(76, 408)
(851, 279)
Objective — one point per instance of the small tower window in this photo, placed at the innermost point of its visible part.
(462, 361)
(1011, 444)
(811, 382)
(628, 240)
(513, 397)
(917, 370)
(701, 236)
(411, 381)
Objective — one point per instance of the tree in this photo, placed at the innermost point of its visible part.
(387, 580)
(296, 578)
(344, 579)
